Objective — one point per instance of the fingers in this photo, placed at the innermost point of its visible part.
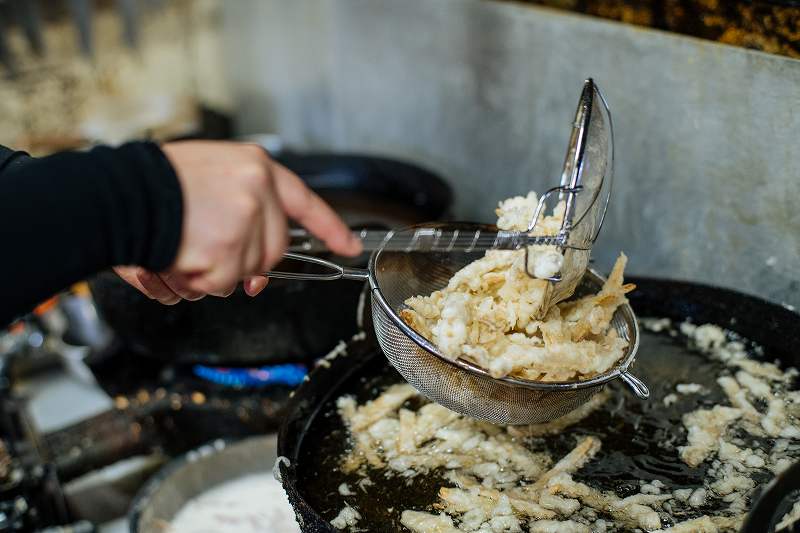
(303, 205)
(236, 204)
(178, 285)
(225, 292)
(255, 247)
(218, 281)
(150, 284)
(157, 288)
(128, 274)
(253, 255)
(170, 288)
(276, 233)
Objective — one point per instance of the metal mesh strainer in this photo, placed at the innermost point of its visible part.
(460, 385)
(422, 259)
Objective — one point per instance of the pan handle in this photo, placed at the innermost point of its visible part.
(337, 271)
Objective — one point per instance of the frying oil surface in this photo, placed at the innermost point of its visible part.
(640, 445)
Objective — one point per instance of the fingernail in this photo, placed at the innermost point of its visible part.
(249, 285)
(254, 286)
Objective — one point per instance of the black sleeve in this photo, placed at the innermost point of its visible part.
(69, 215)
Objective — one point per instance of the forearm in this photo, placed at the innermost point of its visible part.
(69, 215)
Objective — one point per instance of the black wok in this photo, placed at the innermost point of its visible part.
(312, 436)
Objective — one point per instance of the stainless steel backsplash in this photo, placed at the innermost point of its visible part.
(707, 136)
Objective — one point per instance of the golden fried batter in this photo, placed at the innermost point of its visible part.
(492, 313)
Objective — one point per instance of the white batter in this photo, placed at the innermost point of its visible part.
(250, 504)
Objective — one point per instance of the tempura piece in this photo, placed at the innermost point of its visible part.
(706, 426)
(386, 403)
(428, 523)
(346, 518)
(558, 526)
(570, 463)
(493, 314)
(629, 513)
(709, 524)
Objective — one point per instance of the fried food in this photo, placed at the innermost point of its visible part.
(523, 479)
(493, 314)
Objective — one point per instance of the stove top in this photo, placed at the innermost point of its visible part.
(83, 429)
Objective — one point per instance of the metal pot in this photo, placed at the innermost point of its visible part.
(194, 473)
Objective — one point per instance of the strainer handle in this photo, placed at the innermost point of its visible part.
(337, 271)
(637, 385)
(431, 239)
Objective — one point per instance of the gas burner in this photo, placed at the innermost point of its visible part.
(289, 375)
(153, 411)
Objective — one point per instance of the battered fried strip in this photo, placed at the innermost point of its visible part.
(789, 518)
(564, 506)
(419, 522)
(558, 526)
(586, 449)
(362, 451)
(501, 449)
(430, 418)
(428, 460)
(707, 524)
(738, 398)
(591, 315)
(380, 407)
(705, 427)
(461, 501)
(629, 514)
(416, 321)
(406, 441)
(761, 369)
(703, 524)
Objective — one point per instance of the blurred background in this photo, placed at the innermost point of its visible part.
(479, 91)
(397, 111)
(84, 72)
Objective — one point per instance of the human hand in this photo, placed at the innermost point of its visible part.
(236, 201)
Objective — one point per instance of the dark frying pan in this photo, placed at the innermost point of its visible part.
(290, 321)
(312, 436)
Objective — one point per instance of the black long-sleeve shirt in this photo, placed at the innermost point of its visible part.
(69, 215)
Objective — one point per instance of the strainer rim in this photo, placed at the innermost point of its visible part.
(620, 368)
